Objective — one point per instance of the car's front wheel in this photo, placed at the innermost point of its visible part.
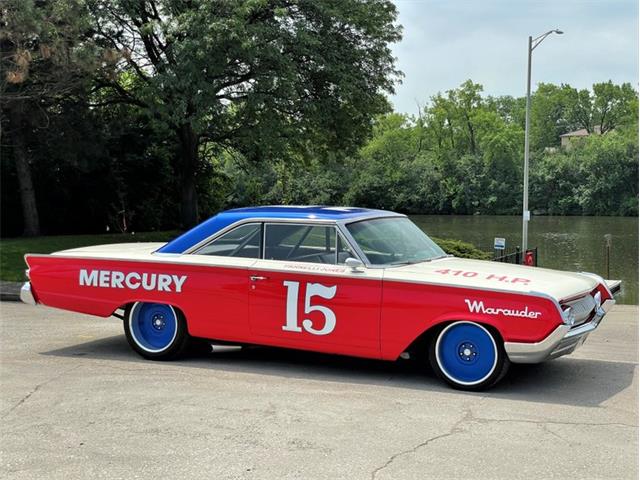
(156, 331)
(468, 356)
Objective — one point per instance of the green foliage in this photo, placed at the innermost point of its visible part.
(560, 109)
(463, 155)
(230, 69)
(598, 176)
(549, 118)
(266, 79)
(46, 57)
(46, 51)
(94, 169)
(462, 249)
(130, 110)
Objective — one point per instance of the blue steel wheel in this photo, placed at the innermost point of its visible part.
(467, 356)
(155, 330)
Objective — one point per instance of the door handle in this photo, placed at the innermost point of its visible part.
(257, 278)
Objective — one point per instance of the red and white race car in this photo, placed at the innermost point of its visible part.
(350, 281)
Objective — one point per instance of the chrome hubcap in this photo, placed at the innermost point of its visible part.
(158, 322)
(467, 351)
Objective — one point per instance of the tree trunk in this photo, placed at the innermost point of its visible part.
(30, 216)
(472, 137)
(188, 169)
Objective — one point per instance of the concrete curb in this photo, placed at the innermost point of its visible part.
(10, 291)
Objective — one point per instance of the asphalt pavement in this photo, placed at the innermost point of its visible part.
(77, 403)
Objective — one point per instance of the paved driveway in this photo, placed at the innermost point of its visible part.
(76, 402)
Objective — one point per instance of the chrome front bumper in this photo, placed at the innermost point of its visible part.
(26, 295)
(562, 341)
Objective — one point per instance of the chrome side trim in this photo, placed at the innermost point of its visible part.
(562, 341)
(26, 295)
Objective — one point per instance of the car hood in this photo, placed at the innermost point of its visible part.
(489, 275)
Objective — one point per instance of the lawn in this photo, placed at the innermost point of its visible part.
(12, 250)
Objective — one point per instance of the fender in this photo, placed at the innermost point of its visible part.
(410, 309)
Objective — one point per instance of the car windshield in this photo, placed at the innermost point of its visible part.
(394, 241)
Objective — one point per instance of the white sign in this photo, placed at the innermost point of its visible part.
(499, 243)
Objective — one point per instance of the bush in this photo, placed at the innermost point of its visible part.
(462, 249)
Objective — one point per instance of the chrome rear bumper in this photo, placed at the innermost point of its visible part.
(26, 295)
(562, 341)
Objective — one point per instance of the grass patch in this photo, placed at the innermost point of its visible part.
(12, 250)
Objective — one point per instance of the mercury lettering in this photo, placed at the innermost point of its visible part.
(162, 282)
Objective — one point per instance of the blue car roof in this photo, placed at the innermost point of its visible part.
(224, 219)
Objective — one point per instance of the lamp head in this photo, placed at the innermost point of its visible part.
(559, 32)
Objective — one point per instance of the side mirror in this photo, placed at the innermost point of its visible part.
(354, 264)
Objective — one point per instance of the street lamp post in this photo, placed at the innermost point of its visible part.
(533, 43)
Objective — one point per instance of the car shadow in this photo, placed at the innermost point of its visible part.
(569, 381)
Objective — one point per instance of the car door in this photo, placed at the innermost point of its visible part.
(301, 295)
(219, 307)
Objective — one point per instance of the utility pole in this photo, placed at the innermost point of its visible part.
(526, 215)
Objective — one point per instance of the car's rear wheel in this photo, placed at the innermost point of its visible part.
(156, 331)
(468, 356)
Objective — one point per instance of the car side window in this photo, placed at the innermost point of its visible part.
(300, 243)
(243, 241)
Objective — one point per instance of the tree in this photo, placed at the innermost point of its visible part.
(450, 118)
(257, 77)
(501, 144)
(577, 109)
(467, 101)
(45, 55)
(613, 105)
(510, 109)
(613, 157)
(439, 120)
(549, 115)
(561, 109)
(380, 167)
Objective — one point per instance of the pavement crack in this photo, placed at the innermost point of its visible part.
(455, 429)
(553, 422)
(35, 389)
(469, 417)
(546, 427)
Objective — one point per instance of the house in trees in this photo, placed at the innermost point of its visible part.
(567, 140)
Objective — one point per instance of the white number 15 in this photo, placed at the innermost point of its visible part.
(312, 290)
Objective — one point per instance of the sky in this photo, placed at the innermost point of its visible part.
(447, 42)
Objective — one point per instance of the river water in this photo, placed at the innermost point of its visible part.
(574, 244)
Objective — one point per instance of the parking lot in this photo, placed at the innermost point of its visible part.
(76, 402)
